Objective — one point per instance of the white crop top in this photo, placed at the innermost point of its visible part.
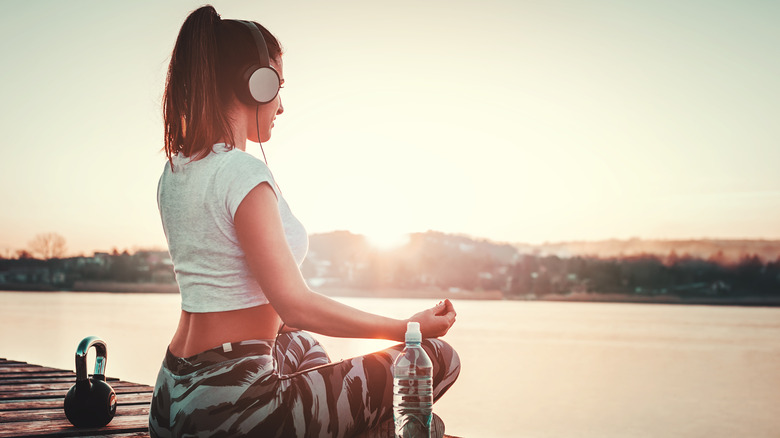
(198, 201)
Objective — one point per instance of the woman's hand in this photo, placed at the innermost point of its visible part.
(437, 320)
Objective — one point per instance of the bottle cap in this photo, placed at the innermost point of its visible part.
(413, 332)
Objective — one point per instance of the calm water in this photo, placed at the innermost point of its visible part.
(530, 369)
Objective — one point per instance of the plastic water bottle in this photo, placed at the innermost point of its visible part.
(412, 388)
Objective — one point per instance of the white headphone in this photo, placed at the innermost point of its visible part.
(260, 82)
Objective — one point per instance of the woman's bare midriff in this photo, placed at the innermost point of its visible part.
(198, 332)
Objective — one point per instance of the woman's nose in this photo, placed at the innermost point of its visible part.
(281, 107)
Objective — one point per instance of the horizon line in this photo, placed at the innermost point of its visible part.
(7, 251)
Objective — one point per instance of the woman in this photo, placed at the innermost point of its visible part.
(235, 365)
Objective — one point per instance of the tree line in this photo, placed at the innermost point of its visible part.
(434, 260)
(452, 262)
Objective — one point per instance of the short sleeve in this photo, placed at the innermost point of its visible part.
(240, 173)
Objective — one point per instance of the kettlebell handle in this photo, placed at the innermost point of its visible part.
(100, 359)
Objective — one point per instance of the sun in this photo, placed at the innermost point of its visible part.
(386, 240)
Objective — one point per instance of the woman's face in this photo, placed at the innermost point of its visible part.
(267, 111)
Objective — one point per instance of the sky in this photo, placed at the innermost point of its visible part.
(516, 121)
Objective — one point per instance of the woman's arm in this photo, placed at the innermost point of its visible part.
(261, 235)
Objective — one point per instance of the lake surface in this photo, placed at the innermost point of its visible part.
(529, 369)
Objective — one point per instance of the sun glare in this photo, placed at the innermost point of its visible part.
(386, 240)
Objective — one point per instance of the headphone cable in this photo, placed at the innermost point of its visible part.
(257, 124)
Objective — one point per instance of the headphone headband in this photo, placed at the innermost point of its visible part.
(262, 49)
(260, 83)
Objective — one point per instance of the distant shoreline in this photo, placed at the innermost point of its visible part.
(751, 301)
(492, 295)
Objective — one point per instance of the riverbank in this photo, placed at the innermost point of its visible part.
(335, 291)
(747, 300)
(411, 293)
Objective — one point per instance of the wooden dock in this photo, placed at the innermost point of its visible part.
(31, 404)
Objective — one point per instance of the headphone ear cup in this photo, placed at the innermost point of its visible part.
(263, 84)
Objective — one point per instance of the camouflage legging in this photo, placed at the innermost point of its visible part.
(284, 389)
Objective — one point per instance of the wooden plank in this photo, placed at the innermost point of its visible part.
(63, 428)
(65, 385)
(42, 381)
(59, 393)
(51, 403)
(38, 376)
(11, 372)
(31, 404)
(124, 435)
(59, 414)
(30, 369)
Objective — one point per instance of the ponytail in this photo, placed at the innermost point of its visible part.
(194, 110)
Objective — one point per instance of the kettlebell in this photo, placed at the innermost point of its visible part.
(91, 402)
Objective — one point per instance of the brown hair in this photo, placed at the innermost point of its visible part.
(206, 68)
